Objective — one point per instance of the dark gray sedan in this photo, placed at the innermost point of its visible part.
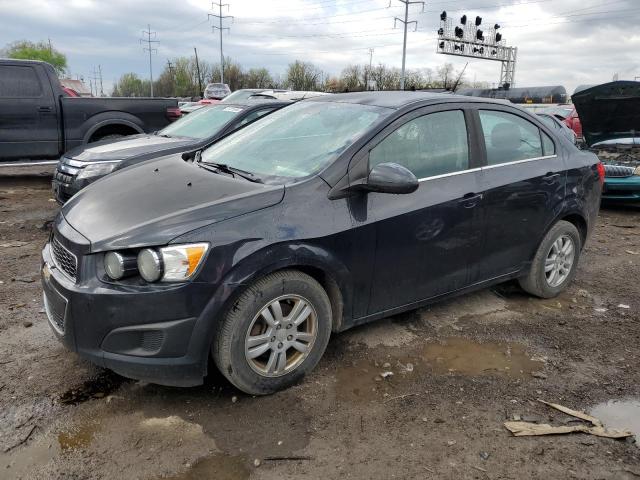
(84, 165)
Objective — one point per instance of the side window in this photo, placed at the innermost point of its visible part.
(253, 116)
(509, 138)
(548, 145)
(19, 82)
(430, 145)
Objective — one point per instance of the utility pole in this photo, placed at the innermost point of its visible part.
(173, 80)
(198, 70)
(97, 77)
(149, 34)
(101, 87)
(406, 23)
(368, 85)
(220, 18)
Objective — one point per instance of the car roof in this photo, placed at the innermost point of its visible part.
(399, 99)
(246, 104)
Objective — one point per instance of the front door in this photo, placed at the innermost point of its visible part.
(425, 240)
(29, 122)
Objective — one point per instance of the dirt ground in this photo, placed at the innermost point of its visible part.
(460, 369)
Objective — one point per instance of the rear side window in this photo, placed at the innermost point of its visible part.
(19, 82)
(509, 138)
(547, 144)
(434, 144)
(253, 116)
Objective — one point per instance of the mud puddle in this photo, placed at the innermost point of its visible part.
(218, 467)
(621, 414)
(380, 375)
(100, 386)
(22, 462)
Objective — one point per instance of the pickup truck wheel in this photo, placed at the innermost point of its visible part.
(555, 263)
(112, 136)
(274, 333)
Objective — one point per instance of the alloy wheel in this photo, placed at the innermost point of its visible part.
(281, 335)
(559, 261)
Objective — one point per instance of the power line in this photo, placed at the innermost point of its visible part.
(220, 18)
(150, 49)
(406, 23)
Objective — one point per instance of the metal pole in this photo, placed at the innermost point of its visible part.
(404, 44)
(221, 55)
(198, 70)
(150, 63)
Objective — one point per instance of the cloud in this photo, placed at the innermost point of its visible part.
(563, 42)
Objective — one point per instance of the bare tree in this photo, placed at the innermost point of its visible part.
(302, 76)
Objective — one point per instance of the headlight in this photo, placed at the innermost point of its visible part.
(97, 170)
(149, 265)
(637, 171)
(118, 265)
(174, 263)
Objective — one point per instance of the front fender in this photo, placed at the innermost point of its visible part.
(260, 263)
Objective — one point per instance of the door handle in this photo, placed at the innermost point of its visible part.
(45, 109)
(470, 200)
(550, 177)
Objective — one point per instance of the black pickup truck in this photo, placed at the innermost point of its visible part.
(39, 122)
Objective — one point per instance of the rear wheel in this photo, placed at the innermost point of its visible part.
(274, 333)
(555, 263)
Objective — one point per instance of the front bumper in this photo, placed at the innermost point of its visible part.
(625, 189)
(153, 333)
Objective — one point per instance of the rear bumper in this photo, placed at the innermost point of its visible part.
(626, 189)
(159, 335)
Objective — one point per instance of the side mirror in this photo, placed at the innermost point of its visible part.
(391, 178)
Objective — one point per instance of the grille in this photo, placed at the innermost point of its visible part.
(64, 259)
(55, 307)
(63, 177)
(618, 171)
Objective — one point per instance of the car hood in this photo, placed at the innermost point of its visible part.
(154, 202)
(128, 147)
(609, 112)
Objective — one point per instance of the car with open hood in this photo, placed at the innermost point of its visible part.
(84, 165)
(610, 116)
(326, 214)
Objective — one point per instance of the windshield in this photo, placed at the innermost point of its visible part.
(239, 95)
(296, 141)
(201, 123)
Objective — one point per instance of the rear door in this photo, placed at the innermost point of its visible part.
(29, 121)
(426, 239)
(523, 187)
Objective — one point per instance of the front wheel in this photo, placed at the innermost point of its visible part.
(555, 263)
(274, 333)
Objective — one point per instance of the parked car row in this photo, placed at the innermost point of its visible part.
(323, 214)
(84, 165)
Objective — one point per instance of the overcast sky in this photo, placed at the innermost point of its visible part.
(560, 42)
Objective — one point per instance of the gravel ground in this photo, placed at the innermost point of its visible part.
(459, 370)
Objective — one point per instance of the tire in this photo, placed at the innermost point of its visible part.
(540, 281)
(113, 136)
(249, 344)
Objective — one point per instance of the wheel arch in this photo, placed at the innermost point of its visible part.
(110, 123)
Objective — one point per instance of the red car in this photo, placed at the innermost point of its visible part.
(573, 122)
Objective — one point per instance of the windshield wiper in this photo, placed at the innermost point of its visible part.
(232, 171)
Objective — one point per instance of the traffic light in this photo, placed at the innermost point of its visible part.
(498, 37)
(443, 16)
(440, 31)
(480, 35)
(459, 32)
(463, 20)
(478, 21)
